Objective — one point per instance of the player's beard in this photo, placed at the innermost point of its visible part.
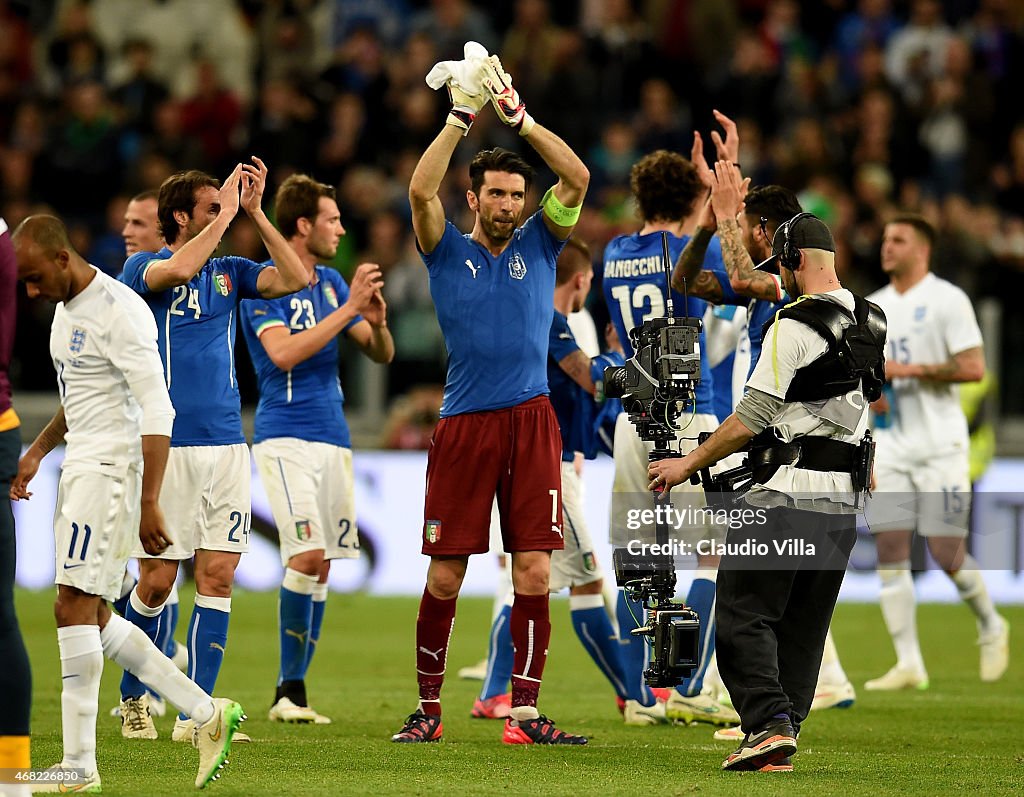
(322, 249)
(499, 233)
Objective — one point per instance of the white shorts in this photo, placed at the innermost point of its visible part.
(576, 564)
(206, 501)
(96, 526)
(629, 488)
(310, 488)
(931, 496)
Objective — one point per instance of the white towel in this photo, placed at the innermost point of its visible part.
(466, 74)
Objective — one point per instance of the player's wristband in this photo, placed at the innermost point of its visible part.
(559, 213)
(461, 118)
(526, 125)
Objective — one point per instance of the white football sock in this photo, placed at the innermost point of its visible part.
(81, 666)
(132, 650)
(974, 593)
(831, 671)
(899, 608)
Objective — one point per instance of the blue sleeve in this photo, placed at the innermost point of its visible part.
(341, 288)
(134, 274)
(261, 314)
(441, 253)
(538, 231)
(561, 342)
(246, 273)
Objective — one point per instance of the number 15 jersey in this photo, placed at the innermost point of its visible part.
(928, 324)
(196, 338)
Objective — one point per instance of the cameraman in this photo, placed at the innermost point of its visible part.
(772, 621)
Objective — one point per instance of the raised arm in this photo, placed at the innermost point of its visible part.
(727, 194)
(287, 275)
(186, 262)
(573, 177)
(427, 212)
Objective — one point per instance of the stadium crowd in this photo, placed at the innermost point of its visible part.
(860, 106)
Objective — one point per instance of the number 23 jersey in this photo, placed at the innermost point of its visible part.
(928, 324)
(305, 402)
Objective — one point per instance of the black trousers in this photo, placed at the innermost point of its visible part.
(773, 611)
(15, 675)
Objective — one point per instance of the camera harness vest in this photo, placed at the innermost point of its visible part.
(854, 358)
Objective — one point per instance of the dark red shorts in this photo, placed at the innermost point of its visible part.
(514, 453)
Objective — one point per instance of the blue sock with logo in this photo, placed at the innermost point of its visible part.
(294, 620)
(500, 656)
(633, 650)
(317, 621)
(595, 632)
(701, 598)
(207, 640)
(148, 619)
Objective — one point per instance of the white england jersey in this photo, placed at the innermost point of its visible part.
(103, 342)
(927, 325)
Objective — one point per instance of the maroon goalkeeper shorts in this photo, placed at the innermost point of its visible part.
(514, 453)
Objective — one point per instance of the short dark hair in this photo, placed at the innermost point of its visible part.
(178, 192)
(665, 185)
(574, 259)
(142, 196)
(46, 232)
(920, 224)
(497, 160)
(775, 204)
(298, 198)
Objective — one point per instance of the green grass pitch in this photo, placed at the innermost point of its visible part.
(959, 737)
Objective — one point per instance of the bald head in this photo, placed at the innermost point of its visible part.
(47, 263)
(46, 232)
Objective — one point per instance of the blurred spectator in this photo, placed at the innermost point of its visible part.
(452, 23)
(283, 124)
(212, 115)
(74, 54)
(138, 96)
(662, 122)
(83, 169)
(412, 418)
(530, 50)
(621, 55)
(868, 27)
(385, 17)
(917, 53)
(288, 44)
(107, 251)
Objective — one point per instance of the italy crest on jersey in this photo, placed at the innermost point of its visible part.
(516, 267)
(331, 296)
(222, 282)
(77, 342)
(302, 530)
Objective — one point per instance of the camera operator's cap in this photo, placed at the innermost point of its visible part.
(803, 231)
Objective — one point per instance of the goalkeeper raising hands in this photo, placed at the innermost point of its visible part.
(498, 435)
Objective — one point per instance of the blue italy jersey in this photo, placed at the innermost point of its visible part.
(495, 313)
(196, 336)
(566, 395)
(758, 312)
(305, 402)
(634, 290)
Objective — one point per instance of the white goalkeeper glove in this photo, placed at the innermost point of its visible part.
(463, 80)
(506, 100)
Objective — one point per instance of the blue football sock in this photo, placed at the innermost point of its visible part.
(701, 598)
(597, 636)
(316, 621)
(207, 640)
(294, 620)
(633, 650)
(148, 619)
(500, 656)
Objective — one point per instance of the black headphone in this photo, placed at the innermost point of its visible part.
(789, 257)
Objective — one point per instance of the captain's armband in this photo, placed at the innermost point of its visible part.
(559, 213)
